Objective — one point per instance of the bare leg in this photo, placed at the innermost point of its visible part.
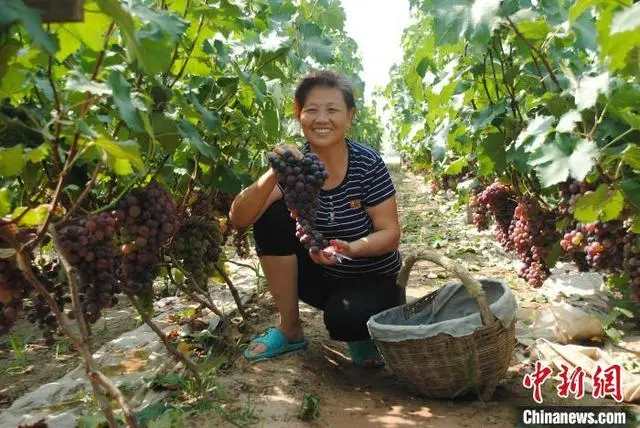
(282, 276)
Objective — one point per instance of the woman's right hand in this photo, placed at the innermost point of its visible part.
(284, 147)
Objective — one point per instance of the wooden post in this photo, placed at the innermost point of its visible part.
(58, 10)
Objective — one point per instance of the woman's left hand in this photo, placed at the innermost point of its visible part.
(323, 258)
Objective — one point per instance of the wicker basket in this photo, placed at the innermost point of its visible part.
(444, 366)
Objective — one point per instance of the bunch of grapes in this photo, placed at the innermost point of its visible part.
(600, 242)
(13, 285)
(480, 211)
(532, 234)
(89, 245)
(38, 311)
(302, 180)
(500, 201)
(631, 257)
(197, 245)
(571, 192)
(147, 217)
(241, 242)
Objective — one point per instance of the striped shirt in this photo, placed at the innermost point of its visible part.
(342, 211)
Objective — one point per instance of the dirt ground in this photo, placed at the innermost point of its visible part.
(270, 393)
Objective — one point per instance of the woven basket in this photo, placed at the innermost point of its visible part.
(444, 366)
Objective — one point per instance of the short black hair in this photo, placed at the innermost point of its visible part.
(324, 78)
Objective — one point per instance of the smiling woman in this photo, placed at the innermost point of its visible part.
(357, 212)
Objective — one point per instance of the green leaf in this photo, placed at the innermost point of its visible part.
(122, 150)
(38, 154)
(225, 179)
(90, 33)
(568, 121)
(271, 120)
(588, 206)
(481, 119)
(15, 10)
(588, 88)
(631, 156)
(627, 20)
(92, 421)
(492, 155)
(35, 216)
(5, 202)
(7, 51)
(170, 419)
(165, 21)
(602, 204)
(535, 30)
(580, 7)
(11, 161)
(537, 129)
(210, 119)
(635, 224)
(559, 161)
(77, 81)
(456, 167)
(166, 131)
(631, 189)
(122, 98)
(188, 131)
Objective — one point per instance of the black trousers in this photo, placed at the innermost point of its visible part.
(347, 302)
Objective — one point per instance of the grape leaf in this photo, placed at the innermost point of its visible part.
(125, 150)
(538, 128)
(188, 131)
(168, 22)
(11, 161)
(122, 98)
(631, 156)
(455, 167)
(635, 223)
(568, 121)
(534, 29)
(15, 10)
(631, 189)
(492, 155)
(588, 88)
(34, 217)
(626, 20)
(481, 119)
(77, 81)
(589, 205)
(91, 32)
(5, 202)
(166, 131)
(211, 119)
(557, 163)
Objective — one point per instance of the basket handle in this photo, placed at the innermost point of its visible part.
(472, 285)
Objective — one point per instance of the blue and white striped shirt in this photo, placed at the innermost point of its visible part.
(342, 211)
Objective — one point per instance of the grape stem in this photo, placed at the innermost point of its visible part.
(172, 349)
(233, 290)
(210, 305)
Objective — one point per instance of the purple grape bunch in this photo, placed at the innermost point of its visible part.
(302, 180)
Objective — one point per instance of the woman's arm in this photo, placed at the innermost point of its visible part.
(249, 205)
(386, 235)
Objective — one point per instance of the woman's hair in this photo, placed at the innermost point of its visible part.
(323, 78)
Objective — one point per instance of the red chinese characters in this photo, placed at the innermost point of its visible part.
(571, 382)
(536, 379)
(608, 382)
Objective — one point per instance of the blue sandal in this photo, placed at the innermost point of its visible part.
(364, 353)
(277, 344)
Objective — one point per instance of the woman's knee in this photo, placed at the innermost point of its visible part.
(274, 232)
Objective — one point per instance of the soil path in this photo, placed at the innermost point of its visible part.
(270, 393)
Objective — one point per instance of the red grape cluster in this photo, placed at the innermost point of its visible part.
(197, 245)
(533, 233)
(89, 246)
(480, 211)
(600, 242)
(631, 257)
(499, 199)
(241, 242)
(38, 310)
(147, 217)
(14, 287)
(302, 180)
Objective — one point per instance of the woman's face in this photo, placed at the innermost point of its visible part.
(324, 117)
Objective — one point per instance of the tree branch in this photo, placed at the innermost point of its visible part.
(233, 290)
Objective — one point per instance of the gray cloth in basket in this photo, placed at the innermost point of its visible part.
(453, 312)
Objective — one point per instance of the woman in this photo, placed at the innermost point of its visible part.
(358, 212)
